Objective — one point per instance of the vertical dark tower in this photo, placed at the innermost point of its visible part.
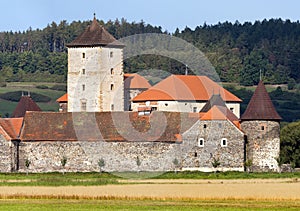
(261, 124)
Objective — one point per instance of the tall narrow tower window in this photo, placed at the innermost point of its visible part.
(83, 87)
(111, 87)
(111, 71)
(111, 54)
(83, 106)
(83, 71)
(83, 55)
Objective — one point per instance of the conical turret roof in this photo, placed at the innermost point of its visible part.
(25, 104)
(95, 35)
(260, 106)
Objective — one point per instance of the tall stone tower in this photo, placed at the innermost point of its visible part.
(95, 71)
(260, 122)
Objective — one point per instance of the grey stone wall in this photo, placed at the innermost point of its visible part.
(263, 144)
(83, 156)
(8, 155)
(231, 156)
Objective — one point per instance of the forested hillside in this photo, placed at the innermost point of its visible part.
(238, 51)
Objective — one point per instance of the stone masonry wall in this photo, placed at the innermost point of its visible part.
(197, 157)
(263, 144)
(8, 155)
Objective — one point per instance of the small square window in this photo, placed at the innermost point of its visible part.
(224, 142)
(83, 55)
(231, 109)
(262, 127)
(194, 109)
(196, 154)
(201, 142)
(204, 126)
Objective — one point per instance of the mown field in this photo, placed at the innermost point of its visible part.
(168, 191)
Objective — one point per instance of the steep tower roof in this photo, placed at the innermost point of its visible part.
(260, 106)
(95, 35)
(25, 104)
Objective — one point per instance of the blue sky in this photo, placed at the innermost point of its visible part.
(21, 14)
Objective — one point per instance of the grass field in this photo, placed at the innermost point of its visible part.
(146, 204)
(7, 107)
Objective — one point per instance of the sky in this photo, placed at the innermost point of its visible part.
(19, 15)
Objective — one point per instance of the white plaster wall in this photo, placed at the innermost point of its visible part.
(97, 79)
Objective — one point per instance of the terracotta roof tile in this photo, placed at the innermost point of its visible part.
(107, 126)
(25, 104)
(135, 81)
(11, 127)
(221, 113)
(95, 35)
(63, 98)
(185, 87)
(260, 106)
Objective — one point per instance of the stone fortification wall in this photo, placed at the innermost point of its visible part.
(263, 144)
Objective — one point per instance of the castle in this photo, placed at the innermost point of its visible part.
(120, 118)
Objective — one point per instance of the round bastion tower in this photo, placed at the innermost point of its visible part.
(95, 71)
(261, 125)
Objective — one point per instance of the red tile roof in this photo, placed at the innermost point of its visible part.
(25, 104)
(260, 106)
(185, 87)
(221, 113)
(55, 126)
(135, 81)
(95, 35)
(10, 127)
(63, 99)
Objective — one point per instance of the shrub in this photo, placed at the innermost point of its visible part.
(42, 87)
(59, 87)
(15, 96)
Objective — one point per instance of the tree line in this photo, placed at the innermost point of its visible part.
(240, 53)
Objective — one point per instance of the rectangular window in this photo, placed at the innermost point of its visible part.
(111, 71)
(112, 107)
(194, 109)
(201, 142)
(111, 87)
(111, 54)
(83, 55)
(83, 106)
(83, 87)
(224, 142)
(83, 71)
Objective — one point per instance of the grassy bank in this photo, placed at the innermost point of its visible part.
(94, 178)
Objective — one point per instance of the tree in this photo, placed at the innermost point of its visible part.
(248, 165)
(138, 162)
(63, 162)
(101, 164)
(290, 144)
(176, 164)
(215, 163)
(279, 163)
(27, 164)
